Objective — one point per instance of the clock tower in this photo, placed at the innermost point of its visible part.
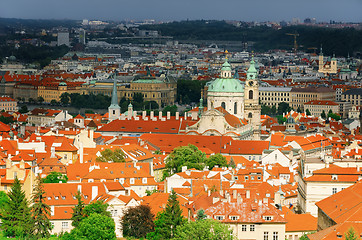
(252, 107)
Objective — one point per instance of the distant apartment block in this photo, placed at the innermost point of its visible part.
(272, 96)
(316, 107)
(299, 96)
(63, 38)
(8, 104)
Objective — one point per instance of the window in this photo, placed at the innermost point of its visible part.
(266, 235)
(243, 228)
(275, 236)
(233, 218)
(252, 228)
(64, 224)
(219, 217)
(250, 115)
(235, 108)
(334, 190)
(267, 218)
(223, 105)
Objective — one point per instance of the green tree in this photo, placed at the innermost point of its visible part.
(3, 198)
(40, 212)
(95, 227)
(334, 116)
(351, 234)
(232, 163)
(216, 160)
(137, 222)
(55, 177)
(281, 119)
(201, 215)
(15, 213)
(172, 109)
(53, 102)
(189, 156)
(323, 114)
(283, 107)
(23, 109)
(150, 192)
(111, 156)
(205, 229)
(330, 111)
(304, 237)
(65, 98)
(308, 112)
(98, 207)
(40, 99)
(78, 210)
(299, 110)
(168, 220)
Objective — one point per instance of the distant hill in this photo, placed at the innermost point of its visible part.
(335, 41)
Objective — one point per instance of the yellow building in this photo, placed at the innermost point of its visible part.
(22, 171)
(160, 90)
(53, 91)
(329, 67)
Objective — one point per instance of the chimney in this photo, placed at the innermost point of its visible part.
(52, 210)
(151, 169)
(22, 164)
(177, 115)
(8, 163)
(52, 151)
(185, 115)
(168, 115)
(248, 194)
(80, 188)
(239, 199)
(91, 134)
(94, 192)
(208, 192)
(81, 152)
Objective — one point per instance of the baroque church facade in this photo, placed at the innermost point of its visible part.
(233, 109)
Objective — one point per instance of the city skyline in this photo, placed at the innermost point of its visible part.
(260, 10)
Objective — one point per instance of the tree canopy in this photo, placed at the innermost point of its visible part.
(55, 177)
(204, 229)
(216, 160)
(15, 213)
(189, 156)
(40, 212)
(111, 156)
(137, 222)
(168, 220)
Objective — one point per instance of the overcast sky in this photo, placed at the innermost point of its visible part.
(165, 10)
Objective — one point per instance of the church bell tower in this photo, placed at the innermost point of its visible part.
(252, 107)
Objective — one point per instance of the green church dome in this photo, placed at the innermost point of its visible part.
(226, 85)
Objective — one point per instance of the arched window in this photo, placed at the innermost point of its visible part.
(250, 94)
(235, 108)
(250, 115)
(223, 105)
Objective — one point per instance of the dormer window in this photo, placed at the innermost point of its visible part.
(219, 217)
(267, 218)
(56, 197)
(233, 218)
(63, 197)
(334, 177)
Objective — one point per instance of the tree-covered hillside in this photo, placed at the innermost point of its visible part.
(334, 41)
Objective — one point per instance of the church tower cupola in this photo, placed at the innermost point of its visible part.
(114, 110)
(252, 72)
(226, 70)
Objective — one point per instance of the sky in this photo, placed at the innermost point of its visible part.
(169, 10)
